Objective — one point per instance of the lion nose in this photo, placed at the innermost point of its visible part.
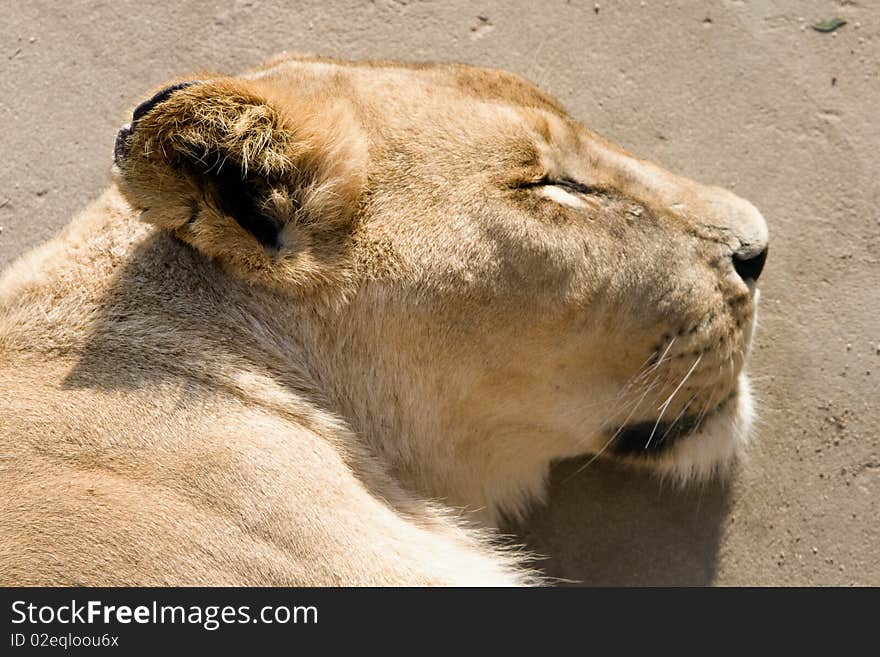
(749, 264)
(747, 226)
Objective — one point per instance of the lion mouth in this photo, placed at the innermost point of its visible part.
(655, 437)
(644, 438)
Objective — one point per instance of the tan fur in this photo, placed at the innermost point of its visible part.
(183, 404)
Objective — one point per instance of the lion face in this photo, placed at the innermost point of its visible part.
(505, 287)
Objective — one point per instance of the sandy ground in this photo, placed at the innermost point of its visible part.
(742, 94)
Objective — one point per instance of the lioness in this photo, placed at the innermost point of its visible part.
(334, 320)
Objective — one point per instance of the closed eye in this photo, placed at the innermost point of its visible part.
(566, 183)
(564, 191)
(574, 186)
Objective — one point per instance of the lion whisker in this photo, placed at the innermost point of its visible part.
(678, 417)
(615, 434)
(669, 400)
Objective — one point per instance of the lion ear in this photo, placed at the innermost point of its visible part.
(248, 176)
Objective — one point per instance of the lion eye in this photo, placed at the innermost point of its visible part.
(564, 191)
(573, 186)
(567, 184)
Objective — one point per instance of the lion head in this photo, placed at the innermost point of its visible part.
(480, 283)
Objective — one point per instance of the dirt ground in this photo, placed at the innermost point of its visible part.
(742, 94)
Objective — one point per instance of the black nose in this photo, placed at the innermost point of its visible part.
(750, 264)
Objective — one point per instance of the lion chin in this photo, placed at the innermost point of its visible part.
(716, 446)
(695, 449)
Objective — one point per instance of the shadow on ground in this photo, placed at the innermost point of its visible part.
(612, 525)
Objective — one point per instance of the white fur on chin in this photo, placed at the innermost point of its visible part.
(717, 445)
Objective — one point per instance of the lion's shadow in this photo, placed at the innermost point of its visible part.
(612, 525)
